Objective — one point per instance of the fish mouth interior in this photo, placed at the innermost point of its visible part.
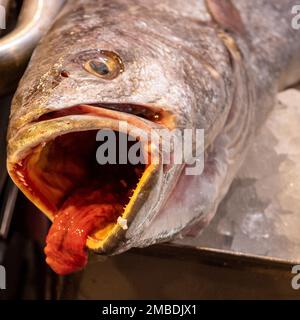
(66, 168)
(81, 179)
(69, 162)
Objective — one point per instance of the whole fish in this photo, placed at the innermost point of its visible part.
(214, 65)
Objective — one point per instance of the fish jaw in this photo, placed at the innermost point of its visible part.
(27, 151)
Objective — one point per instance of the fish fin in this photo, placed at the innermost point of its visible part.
(227, 16)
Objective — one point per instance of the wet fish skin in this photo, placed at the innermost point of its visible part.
(116, 25)
(178, 57)
(271, 58)
(270, 48)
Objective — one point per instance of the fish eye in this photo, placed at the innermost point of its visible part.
(107, 65)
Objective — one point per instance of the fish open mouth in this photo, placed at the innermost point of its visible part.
(90, 204)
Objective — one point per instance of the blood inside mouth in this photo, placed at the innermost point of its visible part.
(85, 197)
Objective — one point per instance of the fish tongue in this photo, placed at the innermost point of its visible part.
(82, 214)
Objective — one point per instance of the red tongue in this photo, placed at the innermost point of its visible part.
(83, 213)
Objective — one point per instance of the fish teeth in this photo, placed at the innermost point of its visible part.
(122, 223)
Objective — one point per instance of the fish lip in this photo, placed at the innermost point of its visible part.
(17, 150)
(153, 113)
(38, 132)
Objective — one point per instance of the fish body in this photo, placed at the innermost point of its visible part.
(175, 65)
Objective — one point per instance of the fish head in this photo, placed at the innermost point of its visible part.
(134, 83)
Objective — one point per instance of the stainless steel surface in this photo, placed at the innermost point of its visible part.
(176, 272)
(16, 47)
(260, 215)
